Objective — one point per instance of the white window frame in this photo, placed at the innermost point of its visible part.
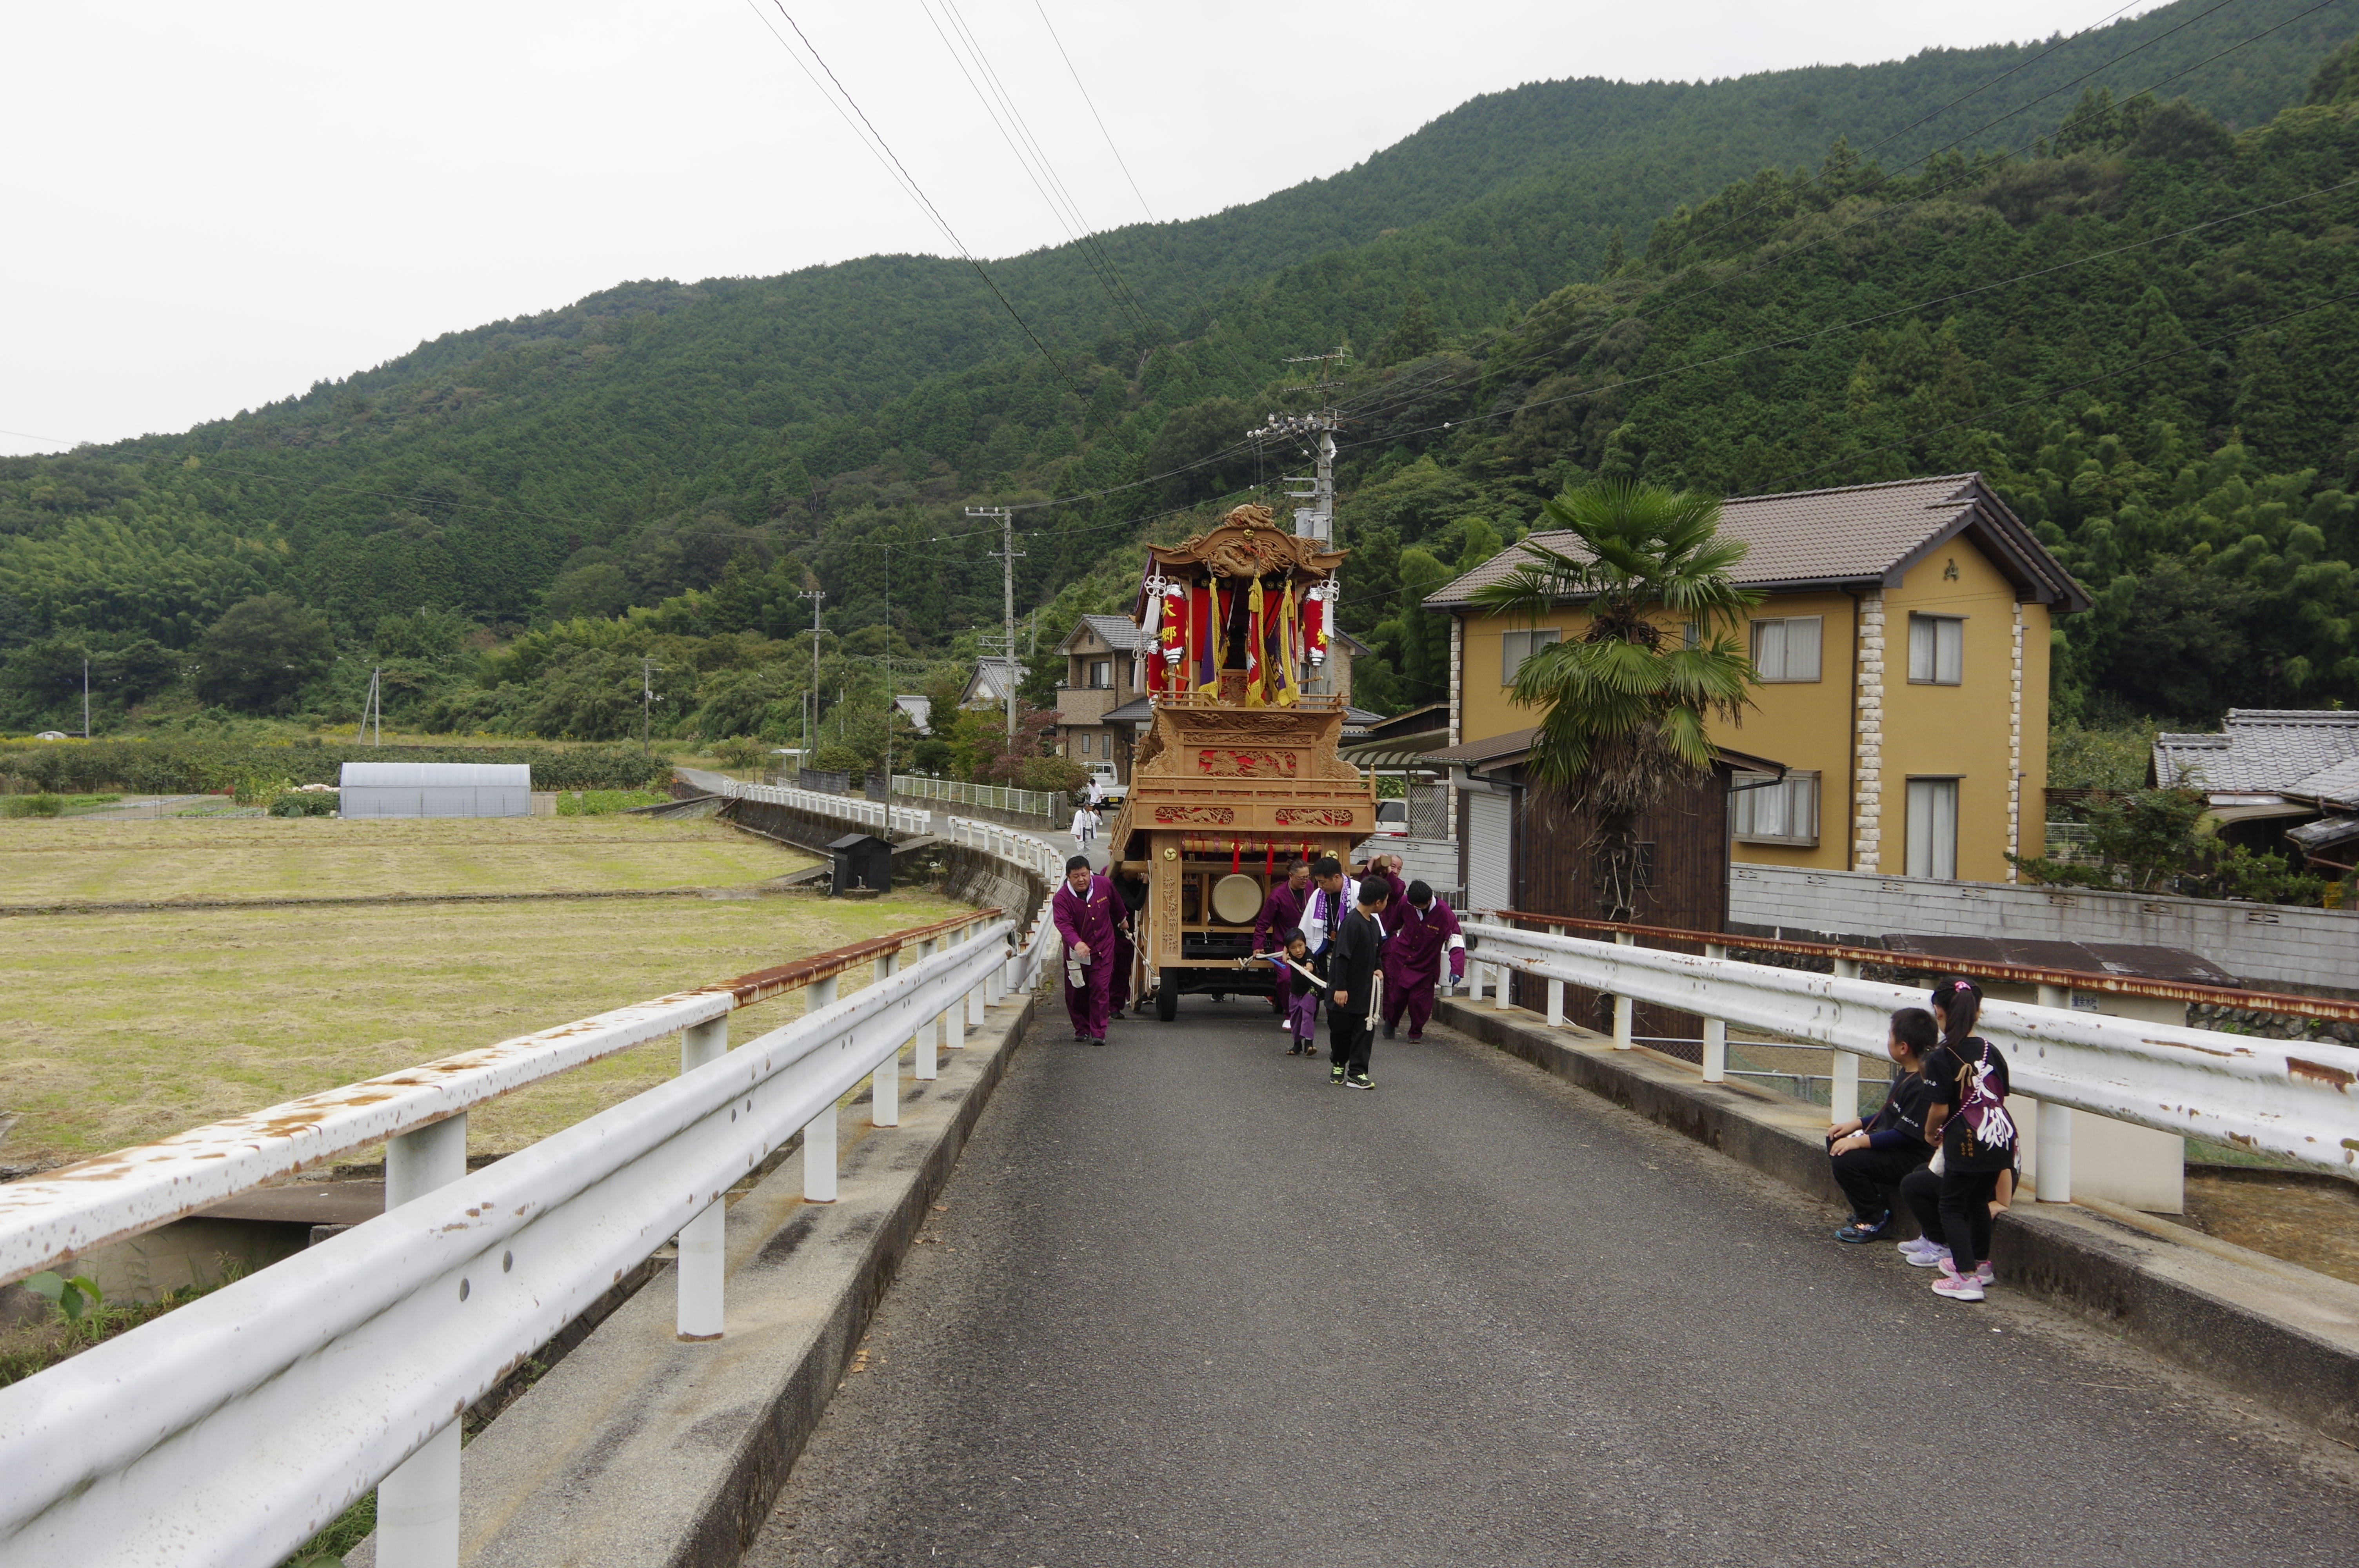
(1778, 644)
(1937, 649)
(1790, 804)
(1514, 647)
(1931, 847)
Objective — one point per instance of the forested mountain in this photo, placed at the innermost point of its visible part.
(1522, 268)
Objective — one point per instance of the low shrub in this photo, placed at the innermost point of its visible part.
(305, 802)
(603, 802)
(193, 765)
(32, 806)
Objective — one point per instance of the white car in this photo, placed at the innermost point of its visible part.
(1392, 819)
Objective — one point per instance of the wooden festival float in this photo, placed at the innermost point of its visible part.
(1240, 775)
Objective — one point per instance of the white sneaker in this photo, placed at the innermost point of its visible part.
(1930, 1258)
(1916, 1244)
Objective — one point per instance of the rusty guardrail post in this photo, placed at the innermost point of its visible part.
(1622, 1004)
(1715, 1031)
(1842, 1097)
(700, 1310)
(819, 1133)
(418, 1505)
(884, 1082)
(924, 1064)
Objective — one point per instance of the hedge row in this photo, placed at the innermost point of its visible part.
(198, 767)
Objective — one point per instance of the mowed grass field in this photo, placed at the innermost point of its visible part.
(125, 1027)
(47, 861)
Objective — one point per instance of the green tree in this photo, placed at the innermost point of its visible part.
(260, 654)
(1414, 334)
(1624, 709)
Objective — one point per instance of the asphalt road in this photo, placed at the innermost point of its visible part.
(1188, 1303)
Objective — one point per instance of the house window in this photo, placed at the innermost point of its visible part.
(1934, 828)
(1770, 810)
(1101, 673)
(1937, 650)
(1787, 649)
(1514, 647)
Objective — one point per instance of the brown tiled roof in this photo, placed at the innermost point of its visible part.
(1857, 534)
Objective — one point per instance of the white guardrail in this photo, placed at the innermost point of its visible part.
(998, 797)
(867, 813)
(2294, 1098)
(231, 1430)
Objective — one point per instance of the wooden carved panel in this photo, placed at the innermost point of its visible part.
(1223, 763)
(1207, 814)
(1313, 817)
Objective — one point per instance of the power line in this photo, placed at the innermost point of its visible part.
(1094, 111)
(883, 151)
(1009, 121)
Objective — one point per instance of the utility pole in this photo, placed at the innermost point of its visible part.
(373, 705)
(85, 699)
(1316, 521)
(810, 725)
(647, 699)
(1007, 554)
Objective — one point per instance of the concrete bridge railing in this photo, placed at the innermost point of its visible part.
(233, 1429)
(884, 818)
(2298, 1099)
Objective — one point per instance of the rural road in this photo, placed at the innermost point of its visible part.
(1188, 1303)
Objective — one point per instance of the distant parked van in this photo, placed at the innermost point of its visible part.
(1112, 792)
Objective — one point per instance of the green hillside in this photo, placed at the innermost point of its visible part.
(709, 450)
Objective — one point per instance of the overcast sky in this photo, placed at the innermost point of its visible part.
(212, 206)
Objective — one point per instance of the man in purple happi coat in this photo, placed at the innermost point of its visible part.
(1426, 928)
(1281, 911)
(1085, 910)
(1384, 871)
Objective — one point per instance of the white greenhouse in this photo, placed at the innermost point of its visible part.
(435, 789)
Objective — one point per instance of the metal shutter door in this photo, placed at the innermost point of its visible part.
(1489, 822)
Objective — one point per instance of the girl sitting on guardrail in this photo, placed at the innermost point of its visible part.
(1872, 1155)
(1953, 1198)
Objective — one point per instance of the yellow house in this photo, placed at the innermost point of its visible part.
(1902, 643)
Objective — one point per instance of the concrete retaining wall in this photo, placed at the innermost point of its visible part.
(2272, 947)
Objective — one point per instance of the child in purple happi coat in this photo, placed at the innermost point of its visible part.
(1301, 992)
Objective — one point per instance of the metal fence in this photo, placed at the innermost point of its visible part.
(997, 798)
(2291, 1099)
(234, 1428)
(876, 813)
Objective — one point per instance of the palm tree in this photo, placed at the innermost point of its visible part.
(1624, 709)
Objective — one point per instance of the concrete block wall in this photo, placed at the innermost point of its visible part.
(2268, 947)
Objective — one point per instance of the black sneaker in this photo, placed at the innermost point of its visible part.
(1388, 1030)
(1360, 1081)
(1865, 1230)
(1297, 1049)
(1337, 1075)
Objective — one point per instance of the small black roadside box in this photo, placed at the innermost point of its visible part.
(863, 863)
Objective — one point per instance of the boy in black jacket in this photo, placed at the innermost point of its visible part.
(1872, 1155)
(1352, 972)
